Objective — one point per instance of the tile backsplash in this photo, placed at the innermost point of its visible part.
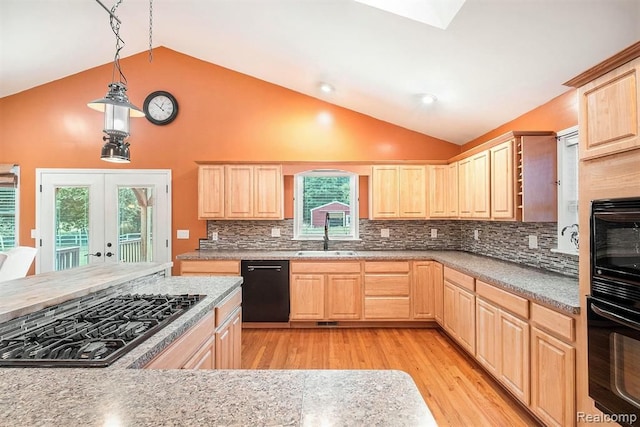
(504, 240)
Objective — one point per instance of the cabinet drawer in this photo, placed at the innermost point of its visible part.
(181, 351)
(325, 267)
(386, 284)
(212, 267)
(386, 267)
(558, 324)
(387, 308)
(227, 306)
(460, 279)
(513, 303)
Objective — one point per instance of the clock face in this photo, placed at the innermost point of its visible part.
(160, 108)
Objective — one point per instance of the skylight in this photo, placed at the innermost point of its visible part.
(437, 13)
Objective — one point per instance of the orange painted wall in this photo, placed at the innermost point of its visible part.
(558, 114)
(224, 115)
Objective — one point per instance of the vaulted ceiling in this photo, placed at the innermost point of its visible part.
(497, 59)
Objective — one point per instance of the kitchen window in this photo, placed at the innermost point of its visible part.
(9, 197)
(326, 197)
(568, 191)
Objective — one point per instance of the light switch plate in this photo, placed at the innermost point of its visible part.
(384, 232)
(275, 232)
(434, 233)
(182, 234)
(533, 242)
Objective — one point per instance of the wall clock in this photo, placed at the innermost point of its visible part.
(160, 107)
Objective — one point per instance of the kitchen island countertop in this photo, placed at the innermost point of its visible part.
(548, 288)
(122, 396)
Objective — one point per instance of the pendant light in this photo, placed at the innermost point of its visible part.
(115, 105)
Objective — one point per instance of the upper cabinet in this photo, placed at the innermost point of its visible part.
(473, 186)
(398, 192)
(443, 190)
(240, 192)
(609, 99)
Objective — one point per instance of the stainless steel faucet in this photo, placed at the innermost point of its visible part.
(326, 232)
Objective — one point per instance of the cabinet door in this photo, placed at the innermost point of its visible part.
(236, 332)
(502, 181)
(307, 297)
(465, 308)
(268, 189)
(438, 191)
(384, 192)
(412, 191)
(344, 296)
(210, 191)
(423, 292)
(552, 379)
(451, 190)
(481, 185)
(438, 292)
(239, 191)
(487, 334)
(610, 112)
(449, 316)
(465, 188)
(204, 358)
(514, 355)
(224, 347)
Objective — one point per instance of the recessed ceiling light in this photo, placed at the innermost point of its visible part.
(428, 98)
(326, 87)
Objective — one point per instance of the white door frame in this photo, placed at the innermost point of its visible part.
(104, 173)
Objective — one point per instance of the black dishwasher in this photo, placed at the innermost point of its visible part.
(265, 291)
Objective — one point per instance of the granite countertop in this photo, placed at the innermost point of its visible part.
(122, 396)
(551, 289)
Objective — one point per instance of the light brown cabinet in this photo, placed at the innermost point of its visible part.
(459, 312)
(487, 329)
(398, 191)
(443, 191)
(214, 342)
(473, 186)
(426, 277)
(387, 290)
(438, 291)
(610, 108)
(514, 355)
(209, 267)
(553, 365)
(502, 181)
(240, 192)
(325, 291)
(451, 196)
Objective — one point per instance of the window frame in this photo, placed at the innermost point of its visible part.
(298, 195)
(15, 171)
(567, 222)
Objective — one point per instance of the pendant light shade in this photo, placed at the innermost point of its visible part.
(117, 110)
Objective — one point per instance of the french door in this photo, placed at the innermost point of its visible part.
(88, 216)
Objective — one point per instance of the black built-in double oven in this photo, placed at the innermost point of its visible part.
(613, 309)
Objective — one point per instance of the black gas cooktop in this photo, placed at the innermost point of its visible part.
(91, 336)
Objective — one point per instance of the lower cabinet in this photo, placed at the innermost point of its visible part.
(215, 342)
(459, 312)
(325, 291)
(426, 280)
(553, 364)
(209, 267)
(387, 290)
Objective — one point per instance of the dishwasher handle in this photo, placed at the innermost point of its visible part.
(264, 267)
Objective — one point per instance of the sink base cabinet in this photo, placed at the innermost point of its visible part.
(215, 342)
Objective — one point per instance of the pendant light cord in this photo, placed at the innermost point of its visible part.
(115, 26)
(150, 30)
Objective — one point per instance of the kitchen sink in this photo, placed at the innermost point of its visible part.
(326, 253)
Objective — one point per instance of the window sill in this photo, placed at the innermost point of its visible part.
(565, 251)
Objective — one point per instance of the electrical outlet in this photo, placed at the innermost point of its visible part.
(476, 234)
(275, 232)
(182, 234)
(214, 235)
(533, 242)
(434, 233)
(384, 232)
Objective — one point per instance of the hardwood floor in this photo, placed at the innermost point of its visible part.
(456, 389)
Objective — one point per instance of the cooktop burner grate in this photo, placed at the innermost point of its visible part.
(92, 336)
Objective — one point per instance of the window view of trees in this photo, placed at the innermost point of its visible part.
(7, 218)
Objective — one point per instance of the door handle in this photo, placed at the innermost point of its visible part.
(97, 254)
(264, 267)
(615, 317)
(109, 254)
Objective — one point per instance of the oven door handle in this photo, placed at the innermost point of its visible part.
(615, 317)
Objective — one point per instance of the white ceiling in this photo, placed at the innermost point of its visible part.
(497, 59)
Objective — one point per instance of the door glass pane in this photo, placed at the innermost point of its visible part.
(135, 219)
(71, 227)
